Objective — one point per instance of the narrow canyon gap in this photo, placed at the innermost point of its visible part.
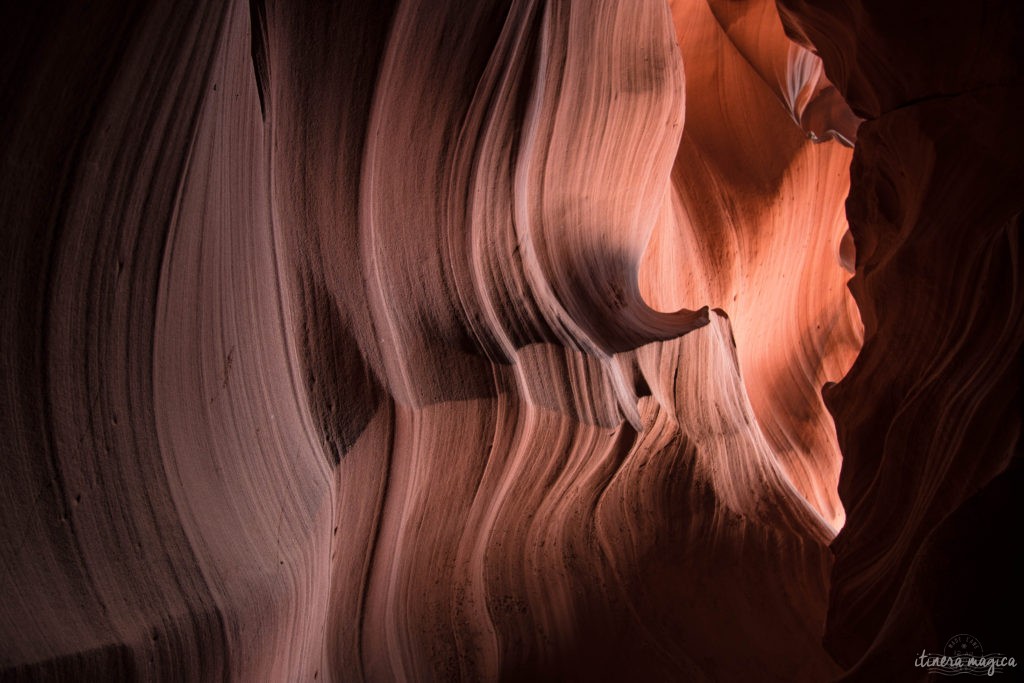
(508, 340)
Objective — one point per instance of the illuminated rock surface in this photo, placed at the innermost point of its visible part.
(478, 340)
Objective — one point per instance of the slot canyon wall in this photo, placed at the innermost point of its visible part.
(509, 339)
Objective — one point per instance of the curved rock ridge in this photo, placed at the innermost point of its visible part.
(420, 340)
(791, 69)
(879, 65)
(929, 417)
(754, 244)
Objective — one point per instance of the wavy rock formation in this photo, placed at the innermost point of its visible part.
(929, 418)
(485, 340)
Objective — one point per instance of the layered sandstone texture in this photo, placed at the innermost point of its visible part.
(485, 340)
(929, 417)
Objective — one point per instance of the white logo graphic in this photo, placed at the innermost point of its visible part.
(964, 654)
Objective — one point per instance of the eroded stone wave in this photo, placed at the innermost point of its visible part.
(420, 340)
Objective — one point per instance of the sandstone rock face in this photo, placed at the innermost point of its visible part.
(440, 340)
(929, 418)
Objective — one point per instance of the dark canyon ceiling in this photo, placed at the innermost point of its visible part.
(477, 340)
